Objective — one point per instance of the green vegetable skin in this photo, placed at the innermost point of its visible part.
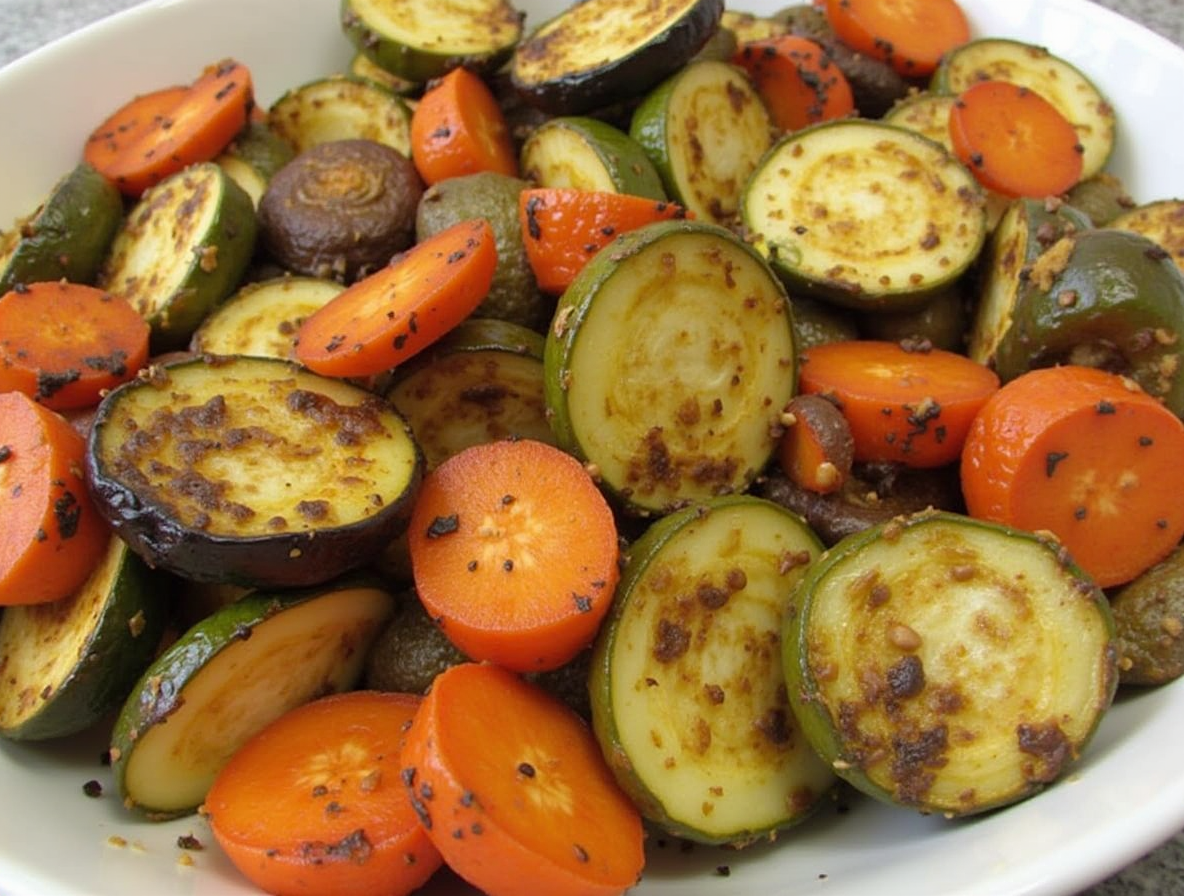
(1103, 298)
(67, 237)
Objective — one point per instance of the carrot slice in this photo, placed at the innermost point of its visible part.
(797, 79)
(64, 344)
(514, 552)
(313, 805)
(458, 128)
(910, 35)
(513, 789)
(562, 228)
(816, 450)
(389, 316)
(156, 135)
(1086, 455)
(1014, 140)
(909, 407)
(108, 144)
(52, 536)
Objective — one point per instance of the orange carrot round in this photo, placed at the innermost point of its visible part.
(910, 35)
(1086, 455)
(513, 789)
(514, 553)
(64, 344)
(909, 407)
(1014, 140)
(154, 136)
(797, 80)
(313, 805)
(401, 309)
(458, 128)
(52, 536)
(562, 228)
(108, 144)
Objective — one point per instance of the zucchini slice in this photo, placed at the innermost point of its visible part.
(1027, 228)
(181, 250)
(705, 129)
(65, 664)
(865, 214)
(251, 471)
(262, 318)
(588, 154)
(949, 665)
(254, 156)
(669, 361)
(600, 52)
(229, 676)
(67, 236)
(420, 41)
(480, 383)
(341, 107)
(688, 692)
(1101, 298)
(1161, 221)
(1054, 78)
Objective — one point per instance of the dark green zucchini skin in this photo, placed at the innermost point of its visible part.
(68, 236)
(1115, 301)
(581, 89)
(146, 514)
(1026, 229)
(117, 619)
(160, 693)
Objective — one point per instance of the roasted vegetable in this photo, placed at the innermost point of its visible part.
(949, 665)
(340, 209)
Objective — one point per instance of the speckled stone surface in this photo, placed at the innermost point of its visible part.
(27, 24)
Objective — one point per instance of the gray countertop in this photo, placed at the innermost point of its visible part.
(26, 24)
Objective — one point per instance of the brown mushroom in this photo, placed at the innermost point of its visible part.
(340, 209)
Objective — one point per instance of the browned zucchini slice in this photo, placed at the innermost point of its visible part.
(600, 52)
(949, 665)
(688, 693)
(252, 471)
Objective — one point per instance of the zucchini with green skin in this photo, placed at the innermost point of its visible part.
(230, 675)
(480, 383)
(668, 363)
(1026, 229)
(251, 471)
(64, 665)
(341, 107)
(181, 250)
(599, 52)
(1054, 78)
(514, 294)
(262, 318)
(949, 665)
(1161, 221)
(687, 689)
(588, 154)
(67, 236)
(1102, 298)
(865, 214)
(1149, 619)
(705, 129)
(254, 156)
(420, 41)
